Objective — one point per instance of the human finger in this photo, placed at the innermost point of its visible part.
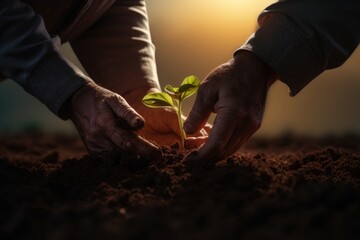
(130, 142)
(200, 112)
(161, 138)
(242, 134)
(215, 149)
(124, 111)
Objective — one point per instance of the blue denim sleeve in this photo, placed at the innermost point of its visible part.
(29, 56)
(300, 39)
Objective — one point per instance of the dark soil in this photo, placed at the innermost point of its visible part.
(285, 188)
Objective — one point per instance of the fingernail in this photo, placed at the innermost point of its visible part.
(137, 122)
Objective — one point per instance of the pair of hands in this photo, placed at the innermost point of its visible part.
(236, 91)
(106, 122)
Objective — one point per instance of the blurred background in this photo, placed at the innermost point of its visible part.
(193, 37)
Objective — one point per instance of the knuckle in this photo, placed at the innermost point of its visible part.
(122, 107)
(120, 99)
(126, 112)
(116, 98)
(202, 91)
(230, 115)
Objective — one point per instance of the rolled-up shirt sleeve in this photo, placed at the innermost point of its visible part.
(29, 56)
(299, 39)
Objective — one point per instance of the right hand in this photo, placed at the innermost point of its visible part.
(106, 122)
(236, 91)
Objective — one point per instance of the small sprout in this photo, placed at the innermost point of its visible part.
(173, 97)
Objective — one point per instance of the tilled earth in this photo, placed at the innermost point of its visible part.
(284, 188)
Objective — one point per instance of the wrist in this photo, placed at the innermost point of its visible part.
(66, 109)
(77, 97)
(247, 57)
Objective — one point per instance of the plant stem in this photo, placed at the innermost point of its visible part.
(181, 126)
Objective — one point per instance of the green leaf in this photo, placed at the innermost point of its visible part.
(173, 98)
(192, 79)
(189, 86)
(173, 91)
(158, 99)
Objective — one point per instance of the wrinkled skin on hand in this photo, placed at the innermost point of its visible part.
(106, 122)
(236, 91)
(161, 124)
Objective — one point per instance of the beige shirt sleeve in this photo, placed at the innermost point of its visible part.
(299, 39)
(117, 51)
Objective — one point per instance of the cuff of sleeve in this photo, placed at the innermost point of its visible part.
(54, 81)
(292, 55)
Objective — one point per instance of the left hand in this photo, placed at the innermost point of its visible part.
(161, 124)
(106, 122)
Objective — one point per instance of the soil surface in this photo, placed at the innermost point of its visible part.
(284, 188)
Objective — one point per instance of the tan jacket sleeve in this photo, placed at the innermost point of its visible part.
(299, 39)
(117, 51)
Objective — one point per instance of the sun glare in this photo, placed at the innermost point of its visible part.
(225, 15)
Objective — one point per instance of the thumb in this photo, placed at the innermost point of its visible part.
(125, 112)
(199, 114)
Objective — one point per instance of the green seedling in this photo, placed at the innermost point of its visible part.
(173, 97)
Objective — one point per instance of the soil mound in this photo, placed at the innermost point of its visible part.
(285, 188)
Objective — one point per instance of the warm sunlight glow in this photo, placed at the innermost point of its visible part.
(194, 36)
(225, 15)
(190, 31)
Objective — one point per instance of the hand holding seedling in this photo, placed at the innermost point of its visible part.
(236, 91)
(106, 122)
(161, 124)
(174, 99)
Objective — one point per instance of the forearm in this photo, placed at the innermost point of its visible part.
(118, 52)
(31, 57)
(301, 39)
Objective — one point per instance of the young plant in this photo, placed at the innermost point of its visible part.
(173, 97)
